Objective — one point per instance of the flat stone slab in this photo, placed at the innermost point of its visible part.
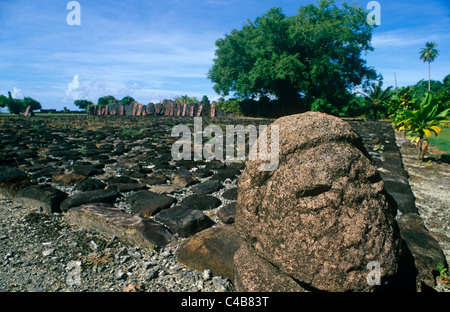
(90, 197)
(201, 202)
(212, 249)
(227, 213)
(111, 221)
(41, 197)
(424, 248)
(12, 180)
(207, 187)
(147, 203)
(184, 221)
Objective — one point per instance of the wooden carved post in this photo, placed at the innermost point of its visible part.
(139, 110)
(213, 109)
(171, 109)
(200, 107)
(134, 109)
(27, 111)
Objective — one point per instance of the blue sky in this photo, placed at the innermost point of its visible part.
(153, 50)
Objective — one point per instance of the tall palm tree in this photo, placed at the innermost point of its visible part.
(429, 54)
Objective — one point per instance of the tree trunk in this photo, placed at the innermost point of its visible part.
(289, 99)
(425, 149)
(429, 77)
(420, 149)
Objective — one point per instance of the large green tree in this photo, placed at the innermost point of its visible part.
(34, 105)
(106, 100)
(17, 106)
(127, 100)
(83, 104)
(316, 54)
(3, 100)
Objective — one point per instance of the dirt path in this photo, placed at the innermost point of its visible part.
(430, 183)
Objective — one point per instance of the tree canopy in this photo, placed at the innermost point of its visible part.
(106, 100)
(82, 104)
(17, 106)
(296, 60)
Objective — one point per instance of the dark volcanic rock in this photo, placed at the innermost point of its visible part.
(122, 179)
(126, 187)
(48, 172)
(207, 187)
(322, 216)
(184, 221)
(87, 170)
(227, 213)
(68, 179)
(183, 180)
(147, 203)
(201, 202)
(155, 178)
(41, 197)
(12, 180)
(90, 197)
(202, 173)
(227, 173)
(90, 185)
(230, 194)
(425, 249)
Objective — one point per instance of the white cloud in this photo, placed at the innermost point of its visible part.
(16, 93)
(85, 90)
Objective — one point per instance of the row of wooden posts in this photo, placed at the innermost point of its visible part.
(167, 108)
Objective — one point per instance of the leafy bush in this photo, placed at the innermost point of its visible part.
(421, 121)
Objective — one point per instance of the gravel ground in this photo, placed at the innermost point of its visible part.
(41, 252)
(430, 183)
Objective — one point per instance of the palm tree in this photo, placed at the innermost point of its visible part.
(429, 54)
(423, 121)
(375, 97)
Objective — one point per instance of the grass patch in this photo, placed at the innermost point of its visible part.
(442, 141)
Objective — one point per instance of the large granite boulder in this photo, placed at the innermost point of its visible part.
(319, 220)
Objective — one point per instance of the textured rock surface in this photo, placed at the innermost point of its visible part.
(110, 221)
(12, 180)
(211, 249)
(322, 216)
(184, 221)
(41, 197)
(37, 249)
(89, 197)
(148, 203)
